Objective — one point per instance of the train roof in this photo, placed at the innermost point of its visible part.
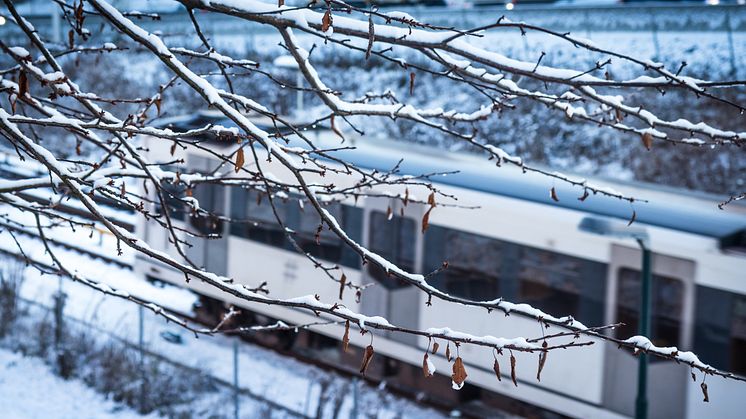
(671, 208)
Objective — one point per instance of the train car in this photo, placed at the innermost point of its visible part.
(517, 243)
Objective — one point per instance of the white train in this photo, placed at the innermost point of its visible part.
(518, 244)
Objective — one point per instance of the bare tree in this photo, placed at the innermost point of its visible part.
(44, 99)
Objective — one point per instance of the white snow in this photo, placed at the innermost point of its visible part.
(29, 390)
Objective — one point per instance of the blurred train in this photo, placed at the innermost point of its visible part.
(519, 244)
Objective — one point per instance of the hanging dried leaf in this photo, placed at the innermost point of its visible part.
(406, 196)
(647, 140)
(371, 36)
(553, 194)
(512, 370)
(585, 195)
(619, 115)
(428, 369)
(335, 129)
(411, 83)
(459, 372)
(239, 159)
(71, 38)
(158, 105)
(435, 348)
(280, 3)
(346, 336)
(326, 21)
(542, 361)
(342, 283)
(704, 392)
(426, 221)
(694, 377)
(448, 351)
(632, 220)
(173, 148)
(367, 356)
(496, 368)
(22, 84)
(431, 199)
(389, 213)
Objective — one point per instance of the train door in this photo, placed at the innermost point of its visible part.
(392, 231)
(210, 246)
(671, 325)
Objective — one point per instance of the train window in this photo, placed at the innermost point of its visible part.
(211, 200)
(254, 219)
(720, 329)
(393, 240)
(561, 285)
(474, 262)
(328, 246)
(666, 303)
(172, 194)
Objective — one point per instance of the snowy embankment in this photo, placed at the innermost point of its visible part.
(29, 390)
(262, 372)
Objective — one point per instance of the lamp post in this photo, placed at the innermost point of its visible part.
(606, 227)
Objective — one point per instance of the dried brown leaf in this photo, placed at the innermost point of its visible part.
(280, 3)
(435, 348)
(346, 336)
(553, 194)
(411, 83)
(542, 361)
(71, 39)
(173, 148)
(335, 129)
(239, 159)
(22, 84)
(647, 140)
(367, 357)
(512, 370)
(342, 283)
(326, 21)
(496, 368)
(426, 221)
(431, 199)
(459, 372)
(371, 36)
(425, 367)
(704, 392)
(448, 351)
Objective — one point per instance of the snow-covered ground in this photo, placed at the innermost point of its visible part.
(29, 390)
(262, 372)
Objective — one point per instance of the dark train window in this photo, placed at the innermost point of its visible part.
(720, 329)
(212, 201)
(474, 262)
(666, 302)
(483, 268)
(394, 240)
(253, 219)
(172, 194)
(328, 246)
(561, 285)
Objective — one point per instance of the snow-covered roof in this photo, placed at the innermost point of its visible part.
(671, 208)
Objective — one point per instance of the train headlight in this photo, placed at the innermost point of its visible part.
(510, 5)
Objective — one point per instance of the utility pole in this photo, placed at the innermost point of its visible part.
(641, 402)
